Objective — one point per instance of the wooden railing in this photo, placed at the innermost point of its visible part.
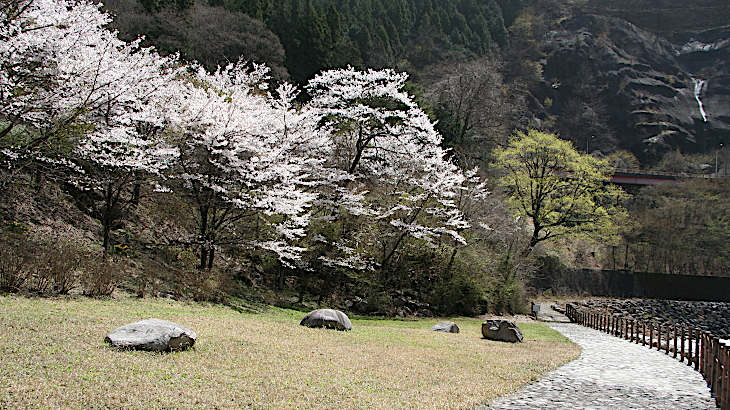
(698, 348)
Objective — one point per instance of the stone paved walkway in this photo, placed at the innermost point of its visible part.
(612, 373)
(548, 314)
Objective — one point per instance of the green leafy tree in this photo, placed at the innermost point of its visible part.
(562, 192)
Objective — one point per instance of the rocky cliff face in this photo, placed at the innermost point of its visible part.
(610, 84)
(707, 56)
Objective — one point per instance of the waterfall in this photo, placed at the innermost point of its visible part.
(699, 84)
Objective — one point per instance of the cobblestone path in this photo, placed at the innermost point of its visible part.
(612, 373)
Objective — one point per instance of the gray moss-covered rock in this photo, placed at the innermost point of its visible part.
(327, 318)
(447, 327)
(152, 334)
(502, 331)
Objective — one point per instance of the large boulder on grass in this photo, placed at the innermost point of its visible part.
(327, 318)
(502, 331)
(152, 334)
(447, 327)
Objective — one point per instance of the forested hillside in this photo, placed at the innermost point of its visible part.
(320, 34)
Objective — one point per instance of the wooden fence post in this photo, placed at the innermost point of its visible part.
(631, 331)
(651, 334)
(689, 346)
(726, 383)
(706, 346)
(659, 337)
(621, 322)
(716, 379)
(675, 340)
(643, 333)
(716, 369)
(703, 354)
(705, 366)
(697, 350)
(630, 326)
(682, 347)
(666, 350)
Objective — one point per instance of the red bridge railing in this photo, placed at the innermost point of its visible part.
(698, 348)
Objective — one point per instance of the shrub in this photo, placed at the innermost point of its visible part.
(461, 295)
(57, 264)
(508, 292)
(13, 265)
(101, 276)
(208, 285)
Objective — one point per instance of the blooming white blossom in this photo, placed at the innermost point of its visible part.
(393, 171)
(60, 65)
(243, 153)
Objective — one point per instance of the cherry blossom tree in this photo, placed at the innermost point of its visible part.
(75, 96)
(63, 73)
(399, 184)
(244, 157)
(114, 164)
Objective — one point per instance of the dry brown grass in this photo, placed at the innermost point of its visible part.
(52, 355)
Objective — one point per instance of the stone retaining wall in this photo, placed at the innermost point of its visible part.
(713, 317)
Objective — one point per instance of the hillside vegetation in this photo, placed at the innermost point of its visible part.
(320, 34)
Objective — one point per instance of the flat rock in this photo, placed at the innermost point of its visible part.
(447, 327)
(152, 334)
(327, 318)
(501, 330)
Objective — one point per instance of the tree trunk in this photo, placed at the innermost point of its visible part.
(203, 237)
(450, 265)
(105, 230)
(211, 254)
(7, 130)
(136, 194)
(533, 241)
(106, 219)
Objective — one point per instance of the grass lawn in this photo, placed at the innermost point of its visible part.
(52, 354)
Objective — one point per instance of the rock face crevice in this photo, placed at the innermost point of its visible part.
(630, 88)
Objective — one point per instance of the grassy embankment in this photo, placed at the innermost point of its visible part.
(52, 354)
